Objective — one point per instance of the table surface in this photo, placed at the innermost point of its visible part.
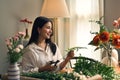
(4, 77)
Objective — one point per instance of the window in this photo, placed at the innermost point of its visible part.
(79, 29)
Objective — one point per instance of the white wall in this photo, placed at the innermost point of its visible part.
(11, 11)
(112, 11)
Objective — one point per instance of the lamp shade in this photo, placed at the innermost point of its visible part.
(54, 8)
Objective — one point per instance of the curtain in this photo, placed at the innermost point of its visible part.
(77, 27)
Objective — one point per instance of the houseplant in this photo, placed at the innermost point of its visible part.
(14, 54)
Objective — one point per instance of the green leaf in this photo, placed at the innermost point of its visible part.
(50, 75)
(93, 32)
(75, 48)
(97, 48)
(91, 43)
(102, 28)
(91, 67)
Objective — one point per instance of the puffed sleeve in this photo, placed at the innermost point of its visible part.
(29, 61)
(59, 57)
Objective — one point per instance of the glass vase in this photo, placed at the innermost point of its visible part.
(13, 72)
(110, 58)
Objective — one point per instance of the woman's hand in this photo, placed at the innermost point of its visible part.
(47, 67)
(67, 59)
(70, 54)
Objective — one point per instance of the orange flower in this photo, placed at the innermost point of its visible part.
(116, 41)
(104, 36)
(113, 35)
(96, 40)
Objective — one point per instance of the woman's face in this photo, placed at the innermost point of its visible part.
(46, 31)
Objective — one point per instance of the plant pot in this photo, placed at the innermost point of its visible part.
(13, 72)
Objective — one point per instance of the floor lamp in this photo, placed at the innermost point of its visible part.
(54, 9)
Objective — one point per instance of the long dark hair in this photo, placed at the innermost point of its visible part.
(39, 23)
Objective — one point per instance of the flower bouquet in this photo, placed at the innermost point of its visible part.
(15, 47)
(106, 39)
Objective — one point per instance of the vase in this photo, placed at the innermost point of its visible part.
(13, 72)
(110, 58)
(26, 34)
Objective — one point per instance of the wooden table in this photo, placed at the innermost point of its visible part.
(4, 77)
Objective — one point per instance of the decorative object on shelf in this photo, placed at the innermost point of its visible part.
(26, 22)
(106, 39)
(13, 72)
(15, 47)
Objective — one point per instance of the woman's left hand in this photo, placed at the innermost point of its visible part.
(70, 54)
(67, 59)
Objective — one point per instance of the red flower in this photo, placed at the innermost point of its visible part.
(96, 40)
(26, 21)
(104, 36)
(29, 22)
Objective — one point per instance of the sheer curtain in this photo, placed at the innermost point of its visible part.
(79, 26)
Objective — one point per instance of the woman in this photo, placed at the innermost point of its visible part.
(41, 54)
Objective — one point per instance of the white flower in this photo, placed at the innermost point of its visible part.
(81, 72)
(80, 76)
(9, 46)
(63, 79)
(17, 50)
(20, 46)
(83, 77)
(21, 33)
(119, 31)
(76, 74)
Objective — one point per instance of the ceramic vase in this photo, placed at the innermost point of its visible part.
(13, 72)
